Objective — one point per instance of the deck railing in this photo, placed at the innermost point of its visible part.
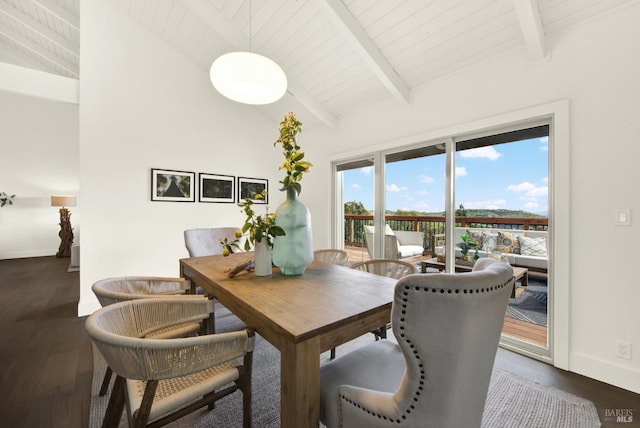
(432, 225)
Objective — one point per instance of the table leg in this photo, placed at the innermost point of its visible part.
(300, 384)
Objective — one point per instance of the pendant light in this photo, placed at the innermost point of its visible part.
(247, 77)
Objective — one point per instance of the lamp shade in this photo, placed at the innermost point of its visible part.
(248, 78)
(63, 201)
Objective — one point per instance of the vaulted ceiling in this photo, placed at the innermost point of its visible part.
(338, 54)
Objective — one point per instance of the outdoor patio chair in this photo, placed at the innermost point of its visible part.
(163, 380)
(447, 328)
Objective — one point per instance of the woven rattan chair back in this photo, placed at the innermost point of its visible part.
(386, 267)
(332, 256)
(167, 378)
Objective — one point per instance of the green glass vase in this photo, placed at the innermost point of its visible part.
(293, 252)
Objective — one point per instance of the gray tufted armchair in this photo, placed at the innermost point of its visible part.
(447, 327)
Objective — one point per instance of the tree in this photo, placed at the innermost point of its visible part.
(461, 212)
(354, 207)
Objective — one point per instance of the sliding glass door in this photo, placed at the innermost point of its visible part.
(491, 187)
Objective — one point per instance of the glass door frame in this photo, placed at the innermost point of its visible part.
(557, 115)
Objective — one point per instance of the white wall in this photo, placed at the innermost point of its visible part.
(39, 155)
(596, 70)
(143, 106)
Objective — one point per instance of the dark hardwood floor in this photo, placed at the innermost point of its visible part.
(46, 361)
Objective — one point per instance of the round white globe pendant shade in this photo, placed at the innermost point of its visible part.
(248, 78)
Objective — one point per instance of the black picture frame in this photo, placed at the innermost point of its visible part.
(173, 186)
(248, 187)
(217, 188)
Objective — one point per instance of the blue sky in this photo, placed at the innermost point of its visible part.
(511, 176)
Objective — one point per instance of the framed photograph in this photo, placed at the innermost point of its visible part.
(249, 187)
(173, 186)
(217, 188)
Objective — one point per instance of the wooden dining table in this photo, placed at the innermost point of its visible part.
(302, 316)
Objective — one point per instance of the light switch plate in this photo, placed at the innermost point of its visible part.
(623, 218)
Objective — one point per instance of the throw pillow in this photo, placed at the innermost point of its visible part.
(476, 235)
(533, 246)
(489, 240)
(509, 242)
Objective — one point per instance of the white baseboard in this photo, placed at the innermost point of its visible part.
(606, 371)
(27, 254)
(87, 308)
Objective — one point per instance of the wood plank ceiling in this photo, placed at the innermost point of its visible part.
(338, 55)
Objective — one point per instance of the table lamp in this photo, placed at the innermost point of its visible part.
(66, 231)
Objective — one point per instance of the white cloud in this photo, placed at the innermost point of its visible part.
(531, 205)
(538, 192)
(461, 171)
(544, 144)
(356, 186)
(395, 188)
(425, 179)
(530, 193)
(366, 170)
(545, 180)
(522, 187)
(422, 193)
(487, 152)
(491, 204)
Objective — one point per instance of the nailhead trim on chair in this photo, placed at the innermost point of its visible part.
(407, 288)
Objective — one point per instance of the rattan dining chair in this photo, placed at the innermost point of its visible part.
(386, 267)
(332, 256)
(335, 257)
(447, 328)
(120, 289)
(391, 268)
(161, 380)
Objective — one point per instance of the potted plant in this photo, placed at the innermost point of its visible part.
(6, 199)
(468, 244)
(257, 227)
(260, 232)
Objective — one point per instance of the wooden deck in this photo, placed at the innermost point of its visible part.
(522, 330)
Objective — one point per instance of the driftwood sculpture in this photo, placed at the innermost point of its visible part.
(65, 234)
(248, 266)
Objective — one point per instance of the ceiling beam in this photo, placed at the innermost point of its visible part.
(239, 41)
(531, 26)
(37, 83)
(39, 51)
(59, 12)
(37, 27)
(367, 49)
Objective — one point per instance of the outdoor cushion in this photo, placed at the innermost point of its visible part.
(509, 242)
(489, 240)
(533, 246)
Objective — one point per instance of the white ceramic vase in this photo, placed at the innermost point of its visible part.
(262, 258)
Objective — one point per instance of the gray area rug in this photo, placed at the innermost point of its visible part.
(512, 401)
(531, 305)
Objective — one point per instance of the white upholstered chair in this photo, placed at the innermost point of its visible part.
(391, 268)
(332, 256)
(120, 289)
(206, 241)
(447, 327)
(161, 380)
